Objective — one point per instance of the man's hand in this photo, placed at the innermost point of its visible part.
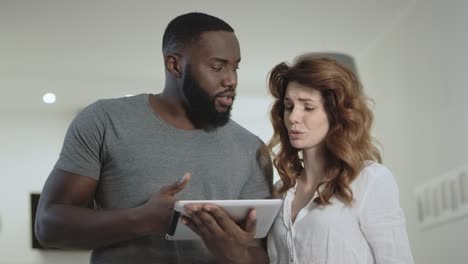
(227, 241)
(159, 208)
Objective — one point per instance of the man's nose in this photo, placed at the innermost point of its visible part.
(230, 79)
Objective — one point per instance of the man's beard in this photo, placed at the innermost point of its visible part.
(201, 107)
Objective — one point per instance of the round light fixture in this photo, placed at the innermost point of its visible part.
(49, 98)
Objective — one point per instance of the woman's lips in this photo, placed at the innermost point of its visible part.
(294, 134)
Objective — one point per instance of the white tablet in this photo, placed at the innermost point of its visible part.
(267, 209)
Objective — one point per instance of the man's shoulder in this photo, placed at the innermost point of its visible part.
(115, 106)
(238, 131)
(104, 109)
(122, 103)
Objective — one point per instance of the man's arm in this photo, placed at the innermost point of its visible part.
(64, 220)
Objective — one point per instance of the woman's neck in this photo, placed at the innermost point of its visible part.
(313, 171)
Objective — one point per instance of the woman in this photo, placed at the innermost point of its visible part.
(340, 204)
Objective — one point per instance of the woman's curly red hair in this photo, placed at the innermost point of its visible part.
(348, 143)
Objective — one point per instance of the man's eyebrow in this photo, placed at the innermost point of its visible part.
(224, 61)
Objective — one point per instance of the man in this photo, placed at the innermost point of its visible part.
(125, 154)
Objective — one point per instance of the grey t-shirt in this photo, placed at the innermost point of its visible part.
(132, 152)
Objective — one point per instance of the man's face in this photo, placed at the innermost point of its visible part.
(201, 105)
(210, 78)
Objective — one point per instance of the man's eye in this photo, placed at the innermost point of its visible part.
(217, 68)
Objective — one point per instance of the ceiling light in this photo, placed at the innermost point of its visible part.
(49, 98)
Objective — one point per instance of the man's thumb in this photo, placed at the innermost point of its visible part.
(251, 221)
(176, 186)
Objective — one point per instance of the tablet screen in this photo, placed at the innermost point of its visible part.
(267, 209)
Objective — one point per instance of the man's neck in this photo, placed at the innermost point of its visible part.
(171, 109)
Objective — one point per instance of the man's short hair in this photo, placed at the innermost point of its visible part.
(187, 28)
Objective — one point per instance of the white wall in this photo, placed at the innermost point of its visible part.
(30, 145)
(252, 113)
(416, 71)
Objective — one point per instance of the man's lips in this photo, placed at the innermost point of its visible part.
(225, 100)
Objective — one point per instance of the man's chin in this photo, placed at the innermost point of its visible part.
(222, 118)
(223, 110)
(211, 121)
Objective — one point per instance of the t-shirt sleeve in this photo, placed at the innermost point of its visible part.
(82, 148)
(383, 221)
(260, 181)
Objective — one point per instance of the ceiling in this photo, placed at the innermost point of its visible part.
(85, 50)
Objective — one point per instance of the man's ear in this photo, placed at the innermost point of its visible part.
(173, 64)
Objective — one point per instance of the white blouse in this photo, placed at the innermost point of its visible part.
(372, 230)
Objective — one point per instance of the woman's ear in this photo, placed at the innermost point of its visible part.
(173, 64)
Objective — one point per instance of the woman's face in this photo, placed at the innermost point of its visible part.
(304, 116)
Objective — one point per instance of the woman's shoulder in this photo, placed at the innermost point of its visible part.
(371, 174)
(372, 170)
(276, 187)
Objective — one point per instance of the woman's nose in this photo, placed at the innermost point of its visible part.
(294, 116)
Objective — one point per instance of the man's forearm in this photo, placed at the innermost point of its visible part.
(66, 226)
(254, 255)
(258, 255)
